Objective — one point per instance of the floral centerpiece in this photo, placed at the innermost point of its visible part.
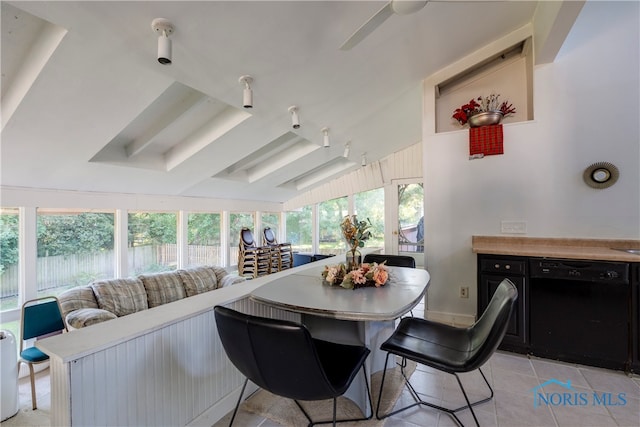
(489, 105)
(355, 233)
(366, 275)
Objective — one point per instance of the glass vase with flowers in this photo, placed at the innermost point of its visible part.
(355, 232)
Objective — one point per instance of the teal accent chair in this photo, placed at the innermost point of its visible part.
(41, 317)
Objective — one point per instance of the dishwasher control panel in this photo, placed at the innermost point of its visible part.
(590, 271)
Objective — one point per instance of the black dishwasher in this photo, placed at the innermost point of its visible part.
(580, 311)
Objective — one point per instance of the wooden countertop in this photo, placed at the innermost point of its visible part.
(589, 249)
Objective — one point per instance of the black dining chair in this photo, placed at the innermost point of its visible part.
(450, 349)
(391, 260)
(281, 357)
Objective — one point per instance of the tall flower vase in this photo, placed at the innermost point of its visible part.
(354, 259)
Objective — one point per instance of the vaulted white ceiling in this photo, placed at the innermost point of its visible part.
(86, 106)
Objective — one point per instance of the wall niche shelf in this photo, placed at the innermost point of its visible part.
(508, 73)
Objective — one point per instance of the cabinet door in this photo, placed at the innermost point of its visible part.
(516, 332)
(635, 319)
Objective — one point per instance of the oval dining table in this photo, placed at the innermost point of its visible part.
(364, 316)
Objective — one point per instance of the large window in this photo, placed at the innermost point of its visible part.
(74, 248)
(330, 215)
(9, 237)
(370, 205)
(238, 220)
(203, 239)
(271, 220)
(152, 242)
(299, 229)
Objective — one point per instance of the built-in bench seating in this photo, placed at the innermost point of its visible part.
(109, 299)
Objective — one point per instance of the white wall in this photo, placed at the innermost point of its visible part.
(586, 110)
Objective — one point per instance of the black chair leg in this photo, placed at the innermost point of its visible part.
(334, 420)
(235, 411)
(419, 401)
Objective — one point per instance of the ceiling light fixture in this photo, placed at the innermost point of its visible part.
(347, 149)
(295, 120)
(325, 140)
(363, 161)
(164, 28)
(247, 93)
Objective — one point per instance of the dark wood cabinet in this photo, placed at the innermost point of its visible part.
(492, 269)
(525, 329)
(635, 317)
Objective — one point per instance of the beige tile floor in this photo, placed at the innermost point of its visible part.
(513, 378)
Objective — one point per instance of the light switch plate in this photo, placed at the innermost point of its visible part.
(514, 227)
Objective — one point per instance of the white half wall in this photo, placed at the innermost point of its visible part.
(586, 110)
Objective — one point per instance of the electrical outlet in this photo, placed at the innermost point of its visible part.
(514, 227)
(464, 292)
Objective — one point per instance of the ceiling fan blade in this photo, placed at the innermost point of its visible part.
(374, 22)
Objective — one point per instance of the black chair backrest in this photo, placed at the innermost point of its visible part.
(391, 260)
(269, 236)
(488, 331)
(277, 355)
(246, 238)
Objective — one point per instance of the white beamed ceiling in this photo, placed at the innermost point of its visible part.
(86, 106)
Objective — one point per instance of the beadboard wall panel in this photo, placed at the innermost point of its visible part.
(403, 164)
(170, 376)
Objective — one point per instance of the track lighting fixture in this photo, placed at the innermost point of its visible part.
(247, 93)
(163, 27)
(325, 140)
(363, 160)
(347, 149)
(295, 120)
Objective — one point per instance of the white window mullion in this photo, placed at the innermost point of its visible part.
(28, 255)
(182, 238)
(224, 239)
(121, 243)
(315, 224)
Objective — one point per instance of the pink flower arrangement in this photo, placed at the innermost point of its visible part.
(366, 275)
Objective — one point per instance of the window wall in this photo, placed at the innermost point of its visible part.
(152, 242)
(9, 258)
(74, 248)
(299, 227)
(203, 241)
(71, 247)
(238, 220)
(271, 220)
(330, 215)
(369, 205)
